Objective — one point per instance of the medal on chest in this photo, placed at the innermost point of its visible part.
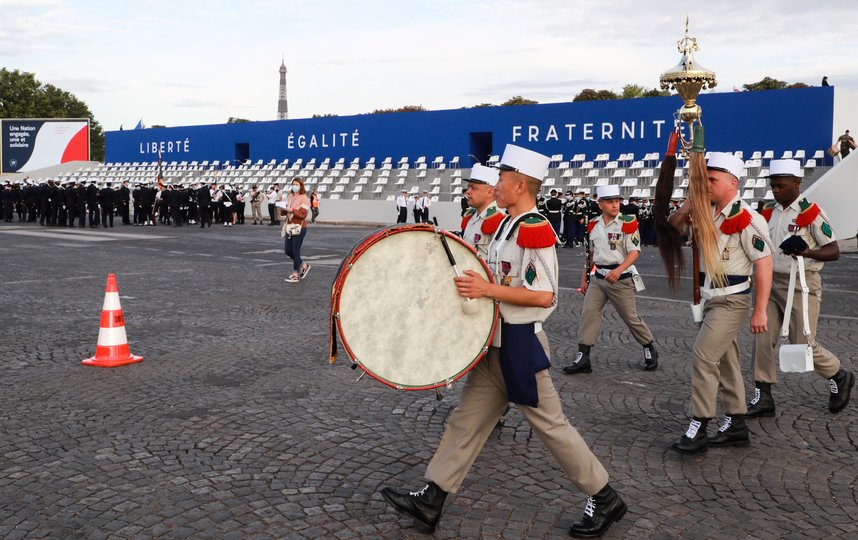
(725, 255)
(505, 268)
(614, 239)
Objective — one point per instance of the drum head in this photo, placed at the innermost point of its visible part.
(399, 314)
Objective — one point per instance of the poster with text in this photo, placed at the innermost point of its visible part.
(30, 144)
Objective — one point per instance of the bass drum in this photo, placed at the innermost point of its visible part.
(399, 314)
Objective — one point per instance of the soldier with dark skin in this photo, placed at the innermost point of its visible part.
(801, 229)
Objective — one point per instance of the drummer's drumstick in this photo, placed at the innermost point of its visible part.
(469, 307)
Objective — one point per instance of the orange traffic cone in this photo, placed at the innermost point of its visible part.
(112, 348)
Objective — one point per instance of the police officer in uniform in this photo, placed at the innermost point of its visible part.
(524, 262)
(615, 245)
(71, 202)
(801, 229)
(744, 244)
(81, 196)
(92, 204)
(569, 220)
(483, 217)
(554, 211)
(124, 199)
(106, 198)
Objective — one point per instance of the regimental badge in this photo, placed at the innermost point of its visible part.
(635, 240)
(725, 255)
(759, 243)
(826, 229)
(505, 267)
(530, 273)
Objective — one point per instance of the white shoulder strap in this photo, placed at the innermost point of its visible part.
(796, 264)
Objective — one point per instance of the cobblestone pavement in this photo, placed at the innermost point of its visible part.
(235, 426)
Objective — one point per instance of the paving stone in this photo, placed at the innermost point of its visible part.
(235, 426)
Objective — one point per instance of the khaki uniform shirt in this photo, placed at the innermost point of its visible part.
(610, 243)
(515, 266)
(473, 233)
(740, 250)
(782, 225)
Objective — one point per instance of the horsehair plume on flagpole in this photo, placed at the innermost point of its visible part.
(704, 232)
(669, 239)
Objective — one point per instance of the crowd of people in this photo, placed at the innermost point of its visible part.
(87, 203)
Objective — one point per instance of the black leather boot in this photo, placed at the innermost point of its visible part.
(695, 440)
(581, 363)
(602, 510)
(733, 432)
(650, 357)
(841, 388)
(763, 403)
(424, 505)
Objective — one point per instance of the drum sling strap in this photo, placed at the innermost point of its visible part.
(521, 353)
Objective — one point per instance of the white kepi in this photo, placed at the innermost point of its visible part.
(480, 174)
(608, 192)
(726, 162)
(785, 167)
(527, 162)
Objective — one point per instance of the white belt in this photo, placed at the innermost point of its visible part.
(537, 326)
(708, 294)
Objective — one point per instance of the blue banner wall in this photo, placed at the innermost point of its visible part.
(778, 120)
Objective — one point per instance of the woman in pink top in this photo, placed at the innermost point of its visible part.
(297, 208)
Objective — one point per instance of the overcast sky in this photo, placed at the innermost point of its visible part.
(200, 62)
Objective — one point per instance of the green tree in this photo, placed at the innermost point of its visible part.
(767, 83)
(405, 108)
(518, 100)
(631, 91)
(799, 85)
(655, 92)
(24, 96)
(156, 126)
(326, 115)
(483, 105)
(234, 120)
(588, 94)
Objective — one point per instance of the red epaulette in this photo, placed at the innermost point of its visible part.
(535, 233)
(737, 219)
(467, 217)
(630, 223)
(809, 212)
(492, 221)
(766, 211)
(591, 225)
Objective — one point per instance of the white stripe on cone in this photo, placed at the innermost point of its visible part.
(111, 337)
(111, 302)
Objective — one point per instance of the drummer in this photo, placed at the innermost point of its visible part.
(524, 262)
(481, 220)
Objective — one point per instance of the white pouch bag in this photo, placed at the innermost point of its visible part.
(796, 358)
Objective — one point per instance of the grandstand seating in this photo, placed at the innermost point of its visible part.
(636, 175)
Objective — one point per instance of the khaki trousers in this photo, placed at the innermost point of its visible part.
(763, 360)
(622, 296)
(481, 405)
(716, 357)
(256, 209)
